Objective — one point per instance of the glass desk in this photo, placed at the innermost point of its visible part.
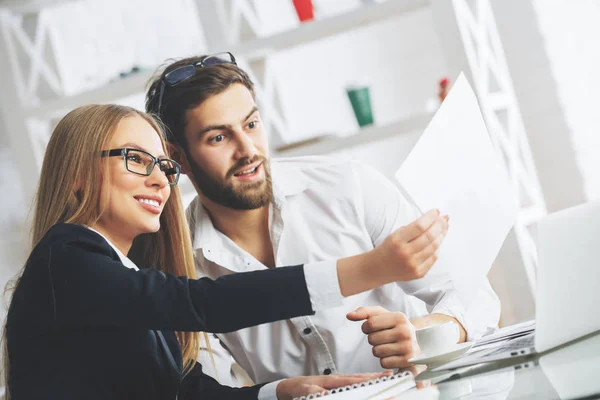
(568, 372)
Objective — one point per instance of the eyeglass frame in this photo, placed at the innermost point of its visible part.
(164, 80)
(124, 151)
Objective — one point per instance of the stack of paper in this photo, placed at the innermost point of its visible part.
(505, 334)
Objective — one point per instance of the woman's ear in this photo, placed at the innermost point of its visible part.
(178, 155)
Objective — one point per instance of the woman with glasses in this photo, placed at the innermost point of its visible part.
(107, 305)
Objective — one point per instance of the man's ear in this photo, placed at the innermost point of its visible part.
(178, 155)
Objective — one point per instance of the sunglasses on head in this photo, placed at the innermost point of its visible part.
(185, 72)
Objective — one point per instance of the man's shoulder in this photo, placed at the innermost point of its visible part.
(315, 166)
(193, 214)
(310, 162)
(324, 172)
(190, 210)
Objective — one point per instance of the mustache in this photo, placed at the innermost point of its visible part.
(242, 162)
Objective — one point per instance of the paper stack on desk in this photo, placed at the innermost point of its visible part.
(504, 334)
(455, 168)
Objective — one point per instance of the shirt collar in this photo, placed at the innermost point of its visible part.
(288, 179)
(124, 259)
(201, 227)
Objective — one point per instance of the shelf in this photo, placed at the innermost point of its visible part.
(107, 93)
(319, 29)
(250, 49)
(364, 136)
(29, 6)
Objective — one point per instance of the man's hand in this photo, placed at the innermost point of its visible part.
(305, 385)
(390, 333)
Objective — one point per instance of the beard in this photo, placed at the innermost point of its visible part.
(245, 196)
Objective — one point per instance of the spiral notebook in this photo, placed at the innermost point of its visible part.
(376, 389)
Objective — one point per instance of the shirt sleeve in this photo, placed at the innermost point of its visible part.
(323, 285)
(269, 391)
(197, 384)
(441, 297)
(218, 363)
(385, 210)
(83, 286)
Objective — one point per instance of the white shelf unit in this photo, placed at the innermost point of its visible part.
(29, 6)
(366, 135)
(251, 50)
(318, 29)
(111, 91)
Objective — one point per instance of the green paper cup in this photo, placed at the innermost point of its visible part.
(361, 104)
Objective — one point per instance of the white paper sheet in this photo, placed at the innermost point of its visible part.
(454, 167)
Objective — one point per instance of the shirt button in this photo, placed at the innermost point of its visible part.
(327, 371)
(307, 331)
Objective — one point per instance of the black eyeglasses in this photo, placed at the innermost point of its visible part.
(142, 163)
(185, 72)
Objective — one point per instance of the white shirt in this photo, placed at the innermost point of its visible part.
(124, 259)
(325, 209)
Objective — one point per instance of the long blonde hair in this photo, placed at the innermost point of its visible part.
(69, 192)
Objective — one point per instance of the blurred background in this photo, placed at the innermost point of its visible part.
(319, 64)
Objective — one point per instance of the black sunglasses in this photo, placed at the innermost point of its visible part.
(142, 163)
(185, 72)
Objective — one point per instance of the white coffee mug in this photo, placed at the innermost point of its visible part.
(437, 339)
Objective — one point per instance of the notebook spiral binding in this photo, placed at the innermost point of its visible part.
(355, 386)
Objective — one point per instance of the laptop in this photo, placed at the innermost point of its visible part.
(568, 287)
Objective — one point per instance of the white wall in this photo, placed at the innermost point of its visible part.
(553, 56)
(570, 31)
(13, 237)
(541, 103)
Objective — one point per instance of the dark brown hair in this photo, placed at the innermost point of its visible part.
(189, 94)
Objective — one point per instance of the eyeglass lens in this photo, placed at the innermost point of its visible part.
(143, 164)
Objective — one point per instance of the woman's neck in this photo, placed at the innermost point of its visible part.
(119, 241)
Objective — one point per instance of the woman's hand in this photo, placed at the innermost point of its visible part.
(305, 385)
(409, 252)
(406, 254)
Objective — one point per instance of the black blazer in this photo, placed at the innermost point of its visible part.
(83, 326)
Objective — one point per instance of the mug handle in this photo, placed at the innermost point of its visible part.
(457, 330)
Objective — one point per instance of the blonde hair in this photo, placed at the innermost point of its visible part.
(68, 192)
